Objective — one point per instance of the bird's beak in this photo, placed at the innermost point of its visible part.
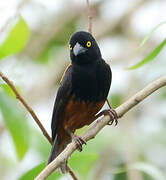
(78, 49)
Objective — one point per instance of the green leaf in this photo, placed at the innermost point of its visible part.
(6, 88)
(150, 57)
(83, 162)
(116, 99)
(31, 174)
(40, 144)
(16, 40)
(121, 176)
(16, 123)
(149, 169)
(149, 34)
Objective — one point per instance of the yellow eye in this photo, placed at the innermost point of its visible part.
(70, 47)
(88, 44)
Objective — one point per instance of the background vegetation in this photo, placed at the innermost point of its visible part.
(34, 52)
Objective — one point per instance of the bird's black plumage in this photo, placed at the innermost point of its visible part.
(63, 95)
(91, 82)
(91, 76)
(82, 92)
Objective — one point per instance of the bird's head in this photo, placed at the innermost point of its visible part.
(83, 48)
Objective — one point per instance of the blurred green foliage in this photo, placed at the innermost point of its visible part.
(25, 138)
(16, 123)
(154, 53)
(6, 88)
(116, 99)
(16, 39)
(31, 174)
(153, 172)
(57, 43)
(120, 176)
(40, 143)
(150, 33)
(150, 57)
(86, 163)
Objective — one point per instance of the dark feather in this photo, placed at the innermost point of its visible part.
(54, 150)
(63, 95)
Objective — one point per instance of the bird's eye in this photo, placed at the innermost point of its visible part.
(88, 44)
(70, 47)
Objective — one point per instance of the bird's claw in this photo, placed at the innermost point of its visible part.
(113, 115)
(79, 142)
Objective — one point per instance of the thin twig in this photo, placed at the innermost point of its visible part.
(28, 108)
(18, 96)
(34, 116)
(90, 30)
(72, 173)
(89, 17)
(99, 124)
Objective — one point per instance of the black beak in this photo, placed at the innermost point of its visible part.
(78, 49)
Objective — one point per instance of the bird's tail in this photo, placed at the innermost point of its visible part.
(58, 146)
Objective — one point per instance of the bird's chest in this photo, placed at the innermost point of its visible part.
(79, 113)
(85, 83)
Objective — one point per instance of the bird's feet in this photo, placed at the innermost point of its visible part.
(78, 140)
(110, 112)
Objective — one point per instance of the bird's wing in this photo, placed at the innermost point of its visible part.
(63, 95)
(70, 64)
(104, 77)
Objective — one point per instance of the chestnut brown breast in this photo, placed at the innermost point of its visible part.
(80, 113)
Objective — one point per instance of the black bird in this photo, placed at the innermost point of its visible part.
(82, 93)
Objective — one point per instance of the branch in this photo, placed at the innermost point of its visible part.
(89, 17)
(99, 124)
(90, 30)
(18, 96)
(28, 108)
(34, 116)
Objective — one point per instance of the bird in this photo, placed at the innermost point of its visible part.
(82, 93)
